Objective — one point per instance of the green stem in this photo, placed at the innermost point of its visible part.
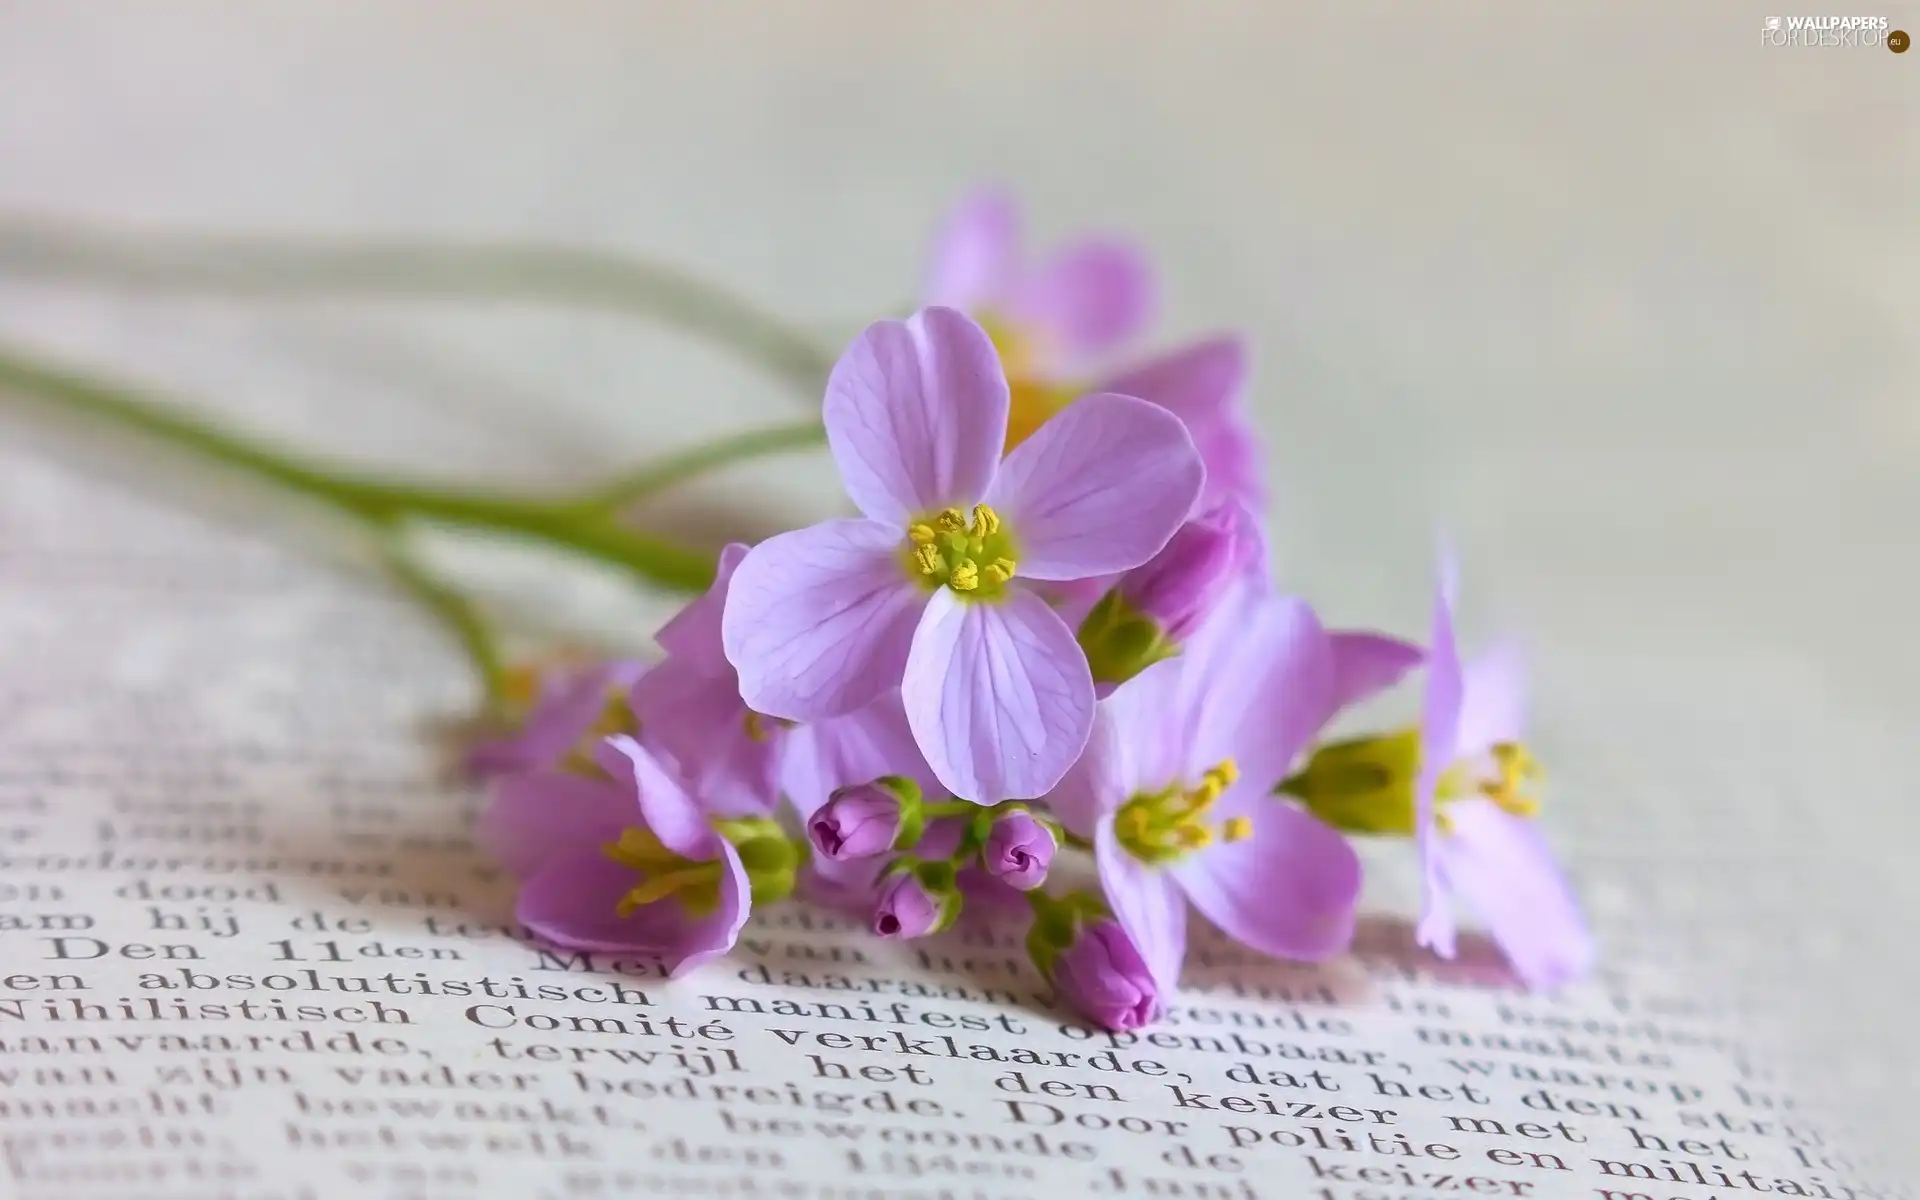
(662, 474)
(368, 500)
(460, 615)
(251, 265)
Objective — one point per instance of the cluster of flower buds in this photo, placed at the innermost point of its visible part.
(1050, 628)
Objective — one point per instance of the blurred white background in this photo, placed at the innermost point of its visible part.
(1622, 297)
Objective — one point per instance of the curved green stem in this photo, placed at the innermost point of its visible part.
(460, 615)
(664, 473)
(252, 265)
(366, 499)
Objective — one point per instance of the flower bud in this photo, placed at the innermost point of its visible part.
(1018, 850)
(867, 819)
(916, 900)
(1102, 975)
(1178, 587)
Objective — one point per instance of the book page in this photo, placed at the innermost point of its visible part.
(250, 951)
(1622, 297)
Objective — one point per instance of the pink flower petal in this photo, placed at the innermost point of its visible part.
(1084, 300)
(998, 695)
(1256, 687)
(856, 748)
(1134, 746)
(573, 903)
(693, 633)
(975, 252)
(1493, 700)
(1199, 383)
(1148, 905)
(1504, 869)
(818, 620)
(545, 814)
(916, 415)
(664, 806)
(1099, 489)
(1366, 664)
(1289, 890)
(1439, 736)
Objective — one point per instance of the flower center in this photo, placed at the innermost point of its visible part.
(614, 719)
(662, 874)
(1033, 399)
(1510, 785)
(974, 559)
(1365, 785)
(1165, 826)
(759, 726)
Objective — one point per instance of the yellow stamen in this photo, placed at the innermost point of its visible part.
(929, 561)
(1237, 829)
(986, 522)
(920, 535)
(1517, 771)
(1000, 570)
(951, 520)
(1194, 837)
(1226, 771)
(692, 878)
(965, 577)
(1162, 827)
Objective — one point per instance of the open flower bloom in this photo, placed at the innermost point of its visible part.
(626, 861)
(690, 711)
(931, 590)
(1057, 320)
(1174, 790)
(1473, 811)
(576, 708)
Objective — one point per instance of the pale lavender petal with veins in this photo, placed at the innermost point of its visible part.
(1502, 867)
(1099, 488)
(999, 696)
(1203, 384)
(1290, 889)
(916, 415)
(1439, 737)
(819, 620)
(1148, 904)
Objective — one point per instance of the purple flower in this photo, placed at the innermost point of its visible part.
(1472, 814)
(624, 862)
(690, 711)
(576, 708)
(1103, 976)
(1019, 849)
(1056, 320)
(1175, 787)
(929, 591)
(864, 819)
(914, 901)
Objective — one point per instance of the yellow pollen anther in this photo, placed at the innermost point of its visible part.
(1237, 829)
(986, 522)
(1226, 771)
(928, 559)
(1001, 569)
(920, 535)
(951, 520)
(1194, 837)
(965, 577)
(1517, 770)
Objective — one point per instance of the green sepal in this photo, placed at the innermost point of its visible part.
(1120, 642)
(771, 857)
(1361, 785)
